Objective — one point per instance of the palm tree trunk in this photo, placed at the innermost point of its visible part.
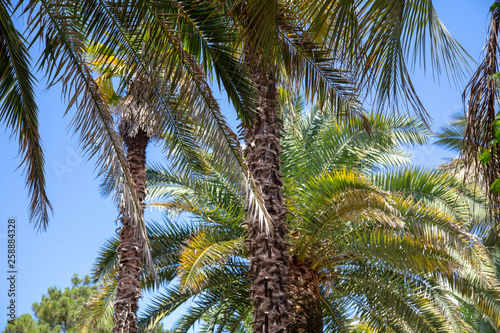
(306, 313)
(131, 248)
(269, 266)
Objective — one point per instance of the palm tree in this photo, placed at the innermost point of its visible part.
(352, 234)
(56, 24)
(350, 35)
(64, 29)
(214, 37)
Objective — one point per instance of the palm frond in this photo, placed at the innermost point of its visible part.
(319, 143)
(452, 136)
(480, 100)
(310, 65)
(226, 286)
(19, 112)
(212, 40)
(386, 38)
(434, 187)
(100, 307)
(204, 252)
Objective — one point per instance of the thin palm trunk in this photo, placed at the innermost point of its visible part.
(306, 313)
(130, 250)
(269, 266)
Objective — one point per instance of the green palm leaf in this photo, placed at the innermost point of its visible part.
(385, 39)
(19, 112)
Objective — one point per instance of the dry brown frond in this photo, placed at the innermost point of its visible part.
(479, 100)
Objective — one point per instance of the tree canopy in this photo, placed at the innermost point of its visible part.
(61, 311)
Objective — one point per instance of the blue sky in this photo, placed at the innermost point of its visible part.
(83, 220)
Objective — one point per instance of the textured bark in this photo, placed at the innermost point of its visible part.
(130, 250)
(133, 130)
(269, 266)
(306, 313)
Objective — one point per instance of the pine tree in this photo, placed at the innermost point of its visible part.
(60, 311)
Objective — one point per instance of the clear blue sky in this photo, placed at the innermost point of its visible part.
(83, 220)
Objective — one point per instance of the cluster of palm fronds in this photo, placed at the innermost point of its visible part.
(383, 246)
(387, 243)
(322, 47)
